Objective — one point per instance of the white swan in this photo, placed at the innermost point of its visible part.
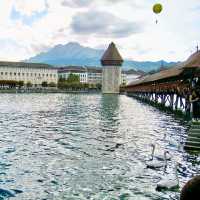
(173, 142)
(155, 164)
(161, 157)
(168, 182)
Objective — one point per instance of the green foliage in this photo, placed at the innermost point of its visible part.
(29, 84)
(52, 84)
(73, 78)
(77, 86)
(98, 86)
(20, 83)
(10, 83)
(61, 79)
(44, 84)
(85, 85)
(92, 86)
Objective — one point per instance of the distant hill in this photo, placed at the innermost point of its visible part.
(75, 54)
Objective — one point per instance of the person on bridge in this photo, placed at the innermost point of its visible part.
(195, 100)
(186, 94)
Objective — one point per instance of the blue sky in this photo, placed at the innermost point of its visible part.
(30, 27)
(27, 19)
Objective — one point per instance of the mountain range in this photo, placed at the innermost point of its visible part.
(73, 53)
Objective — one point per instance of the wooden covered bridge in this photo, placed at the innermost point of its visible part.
(173, 89)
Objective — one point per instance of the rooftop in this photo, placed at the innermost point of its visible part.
(79, 69)
(111, 56)
(72, 69)
(24, 65)
(162, 75)
(193, 61)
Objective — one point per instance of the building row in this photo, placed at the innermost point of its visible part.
(37, 73)
(34, 73)
(93, 75)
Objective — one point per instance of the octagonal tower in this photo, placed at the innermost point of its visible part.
(111, 73)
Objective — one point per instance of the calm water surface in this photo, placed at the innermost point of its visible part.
(62, 146)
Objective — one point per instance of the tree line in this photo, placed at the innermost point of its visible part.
(20, 84)
(73, 83)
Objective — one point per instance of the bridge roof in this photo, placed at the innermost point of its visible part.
(165, 74)
(193, 61)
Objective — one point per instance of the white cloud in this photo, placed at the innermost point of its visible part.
(173, 38)
(27, 7)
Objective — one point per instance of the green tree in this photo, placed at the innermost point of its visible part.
(44, 84)
(99, 86)
(92, 86)
(85, 86)
(72, 83)
(29, 84)
(21, 84)
(52, 84)
(73, 78)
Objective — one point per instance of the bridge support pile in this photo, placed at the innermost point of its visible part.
(165, 101)
(176, 89)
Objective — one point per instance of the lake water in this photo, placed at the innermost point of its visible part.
(86, 146)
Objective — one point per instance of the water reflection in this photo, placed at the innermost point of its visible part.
(60, 146)
(109, 112)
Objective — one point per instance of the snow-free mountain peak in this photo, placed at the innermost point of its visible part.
(73, 53)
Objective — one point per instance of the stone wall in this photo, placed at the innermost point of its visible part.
(111, 79)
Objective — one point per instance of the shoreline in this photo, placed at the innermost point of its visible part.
(48, 92)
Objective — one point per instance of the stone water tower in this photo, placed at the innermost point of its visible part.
(111, 73)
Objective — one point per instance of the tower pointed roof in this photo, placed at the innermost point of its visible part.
(111, 56)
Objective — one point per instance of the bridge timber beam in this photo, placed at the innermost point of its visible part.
(173, 96)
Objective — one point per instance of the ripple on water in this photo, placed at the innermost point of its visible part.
(62, 146)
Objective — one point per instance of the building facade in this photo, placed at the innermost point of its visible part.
(93, 75)
(131, 75)
(64, 72)
(111, 75)
(32, 73)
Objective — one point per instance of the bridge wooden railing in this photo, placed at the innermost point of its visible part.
(170, 88)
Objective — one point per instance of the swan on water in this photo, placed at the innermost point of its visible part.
(173, 142)
(155, 164)
(161, 157)
(169, 182)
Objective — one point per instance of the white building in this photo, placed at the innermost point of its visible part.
(93, 75)
(130, 75)
(32, 73)
(64, 72)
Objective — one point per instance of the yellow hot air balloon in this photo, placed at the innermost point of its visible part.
(157, 8)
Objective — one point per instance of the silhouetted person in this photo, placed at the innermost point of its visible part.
(195, 100)
(185, 92)
(191, 191)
